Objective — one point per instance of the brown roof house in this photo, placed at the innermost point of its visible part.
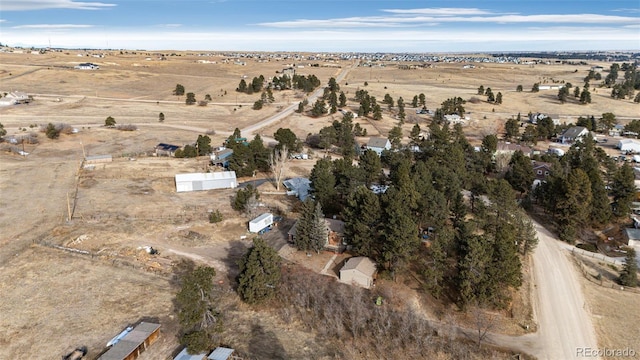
(358, 271)
(542, 170)
(335, 238)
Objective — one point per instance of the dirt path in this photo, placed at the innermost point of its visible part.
(564, 321)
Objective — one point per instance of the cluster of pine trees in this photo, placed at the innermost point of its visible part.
(474, 244)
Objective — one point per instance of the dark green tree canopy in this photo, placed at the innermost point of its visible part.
(259, 273)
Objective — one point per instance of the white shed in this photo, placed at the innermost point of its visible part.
(206, 181)
(358, 271)
(629, 145)
(184, 355)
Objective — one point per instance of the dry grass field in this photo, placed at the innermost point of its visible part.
(53, 301)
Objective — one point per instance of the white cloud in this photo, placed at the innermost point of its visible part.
(439, 11)
(22, 5)
(170, 25)
(386, 40)
(422, 20)
(52, 26)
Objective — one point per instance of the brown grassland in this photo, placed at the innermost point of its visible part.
(53, 300)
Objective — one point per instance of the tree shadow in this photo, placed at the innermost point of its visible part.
(235, 250)
(264, 344)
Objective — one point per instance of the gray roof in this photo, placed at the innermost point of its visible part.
(573, 132)
(130, 342)
(377, 142)
(98, 157)
(184, 355)
(632, 234)
(361, 264)
(220, 353)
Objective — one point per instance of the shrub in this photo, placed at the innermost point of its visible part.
(215, 217)
(128, 127)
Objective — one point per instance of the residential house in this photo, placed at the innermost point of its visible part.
(335, 235)
(510, 148)
(535, 118)
(221, 157)
(358, 271)
(163, 149)
(299, 187)
(15, 98)
(573, 134)
(378, 145)
(617, 130)
(541, 170)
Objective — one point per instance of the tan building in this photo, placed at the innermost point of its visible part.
(358, 271)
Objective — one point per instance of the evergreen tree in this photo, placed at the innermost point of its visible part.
(519, 88)
(499, 98)
(520, 174)
(242, 86)
(481, 90)
(395, 137)
(161, 117)
(511, 129)
(179, 90)
(585, 96)
(377, 112)
(319, 108)
(343, 99)
(400, 231)
(422, 99)
(198, 317)
(203, 145)
(259, 273)
(319, 233)
(191, 99)
(323, 185)
(304, 226)
(414, 102)
(573, 205)
(535, 88)
(629, 273)
(362, 215)
(109, 121)
(401, 114)
(623, 191)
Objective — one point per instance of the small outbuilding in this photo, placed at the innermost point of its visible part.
(163, 149)
(358, 271)
(134, 343)
(184, 355)
(98, 159)
(629, 145)
(632, 236)
(299, 187)
(206, 181)
(222, 353)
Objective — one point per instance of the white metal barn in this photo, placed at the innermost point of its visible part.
(206, 181)
(629, 145)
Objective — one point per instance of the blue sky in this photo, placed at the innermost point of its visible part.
(324, 25)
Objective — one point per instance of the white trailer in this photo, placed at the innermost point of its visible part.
(260, 223)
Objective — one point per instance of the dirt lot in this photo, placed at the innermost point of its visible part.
(614, 311)
(121, 206)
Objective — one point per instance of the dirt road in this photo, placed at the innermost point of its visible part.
(564, 321)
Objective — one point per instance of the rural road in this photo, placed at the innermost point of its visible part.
(251, 129)
(564, 322)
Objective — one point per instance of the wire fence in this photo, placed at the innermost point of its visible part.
(598, 280)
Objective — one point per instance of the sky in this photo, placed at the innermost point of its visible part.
(323, 25)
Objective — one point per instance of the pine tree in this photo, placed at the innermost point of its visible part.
(520, 175)
(362, 222)
(400, 231)
(304, 226)
(623, 191)
(319, 233)
(629, 273)
(259, 273)
(198, 317)
(161, 117)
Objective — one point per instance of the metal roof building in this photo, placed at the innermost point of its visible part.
(134, 343)
(206, 181)
(221, 353)
(184, 355)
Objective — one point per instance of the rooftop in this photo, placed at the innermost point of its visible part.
(130, 342)
(362, 264)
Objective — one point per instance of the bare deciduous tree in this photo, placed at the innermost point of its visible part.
(278, 163)
(484, 322)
